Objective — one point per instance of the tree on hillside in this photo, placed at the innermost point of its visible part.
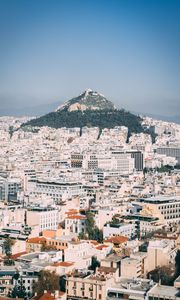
(94, 233)
(163, 274)
(19, 290)
(7, 246)
(94, 264)
(177, 264)
(48, 281)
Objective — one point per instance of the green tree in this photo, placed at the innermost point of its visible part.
(82, 236)
(62, 283)
(94, 263)
(48, 281)
(93, 231)
(115, 219)
(11, 130)
(163, 274)
(177, 264)
(46, 247)
(19, 290)
(7, 246)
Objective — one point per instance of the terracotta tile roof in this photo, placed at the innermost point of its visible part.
(117, 239)
(100, 247)
(15, 256)
(63, 264)
(76, 217)
(36, 240)
(94, 242)
(72, 212)
(47, 296)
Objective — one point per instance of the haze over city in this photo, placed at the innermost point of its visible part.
(53, 50)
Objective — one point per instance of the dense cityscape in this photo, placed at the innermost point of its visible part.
(89, 149)
(88, 213)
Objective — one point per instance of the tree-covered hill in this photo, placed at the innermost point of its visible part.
(90, 118)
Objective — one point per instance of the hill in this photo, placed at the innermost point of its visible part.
(88, 109)
(88, 100)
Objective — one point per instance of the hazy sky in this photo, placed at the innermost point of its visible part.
(51, 50)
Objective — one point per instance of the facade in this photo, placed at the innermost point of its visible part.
(160, 253)
(124, 229)
(159, 292)
(87, 286)
(131, 267)
(56, 190)
(75, 224)
(170, 151)
(43, 218)
(9, 189)
(134, 288)
(167, 209)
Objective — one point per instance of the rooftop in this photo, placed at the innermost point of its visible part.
(164, 291)
(160, 199)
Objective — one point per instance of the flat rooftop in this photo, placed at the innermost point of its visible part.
(164, 291)
(160, 199)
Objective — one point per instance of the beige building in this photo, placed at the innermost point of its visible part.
(88, 286)
(61, 268)
(167, 209)
(131, 267)
(160, 253)
(35, 244)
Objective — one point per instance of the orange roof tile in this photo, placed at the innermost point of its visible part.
(47, 296)
(94, 242)
(100, 247)
(15, 256)
(36, 240)
(117, 239)
(63, 264)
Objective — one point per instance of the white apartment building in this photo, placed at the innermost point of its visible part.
(43, 218)
(128, 230)
(79, 252)
(55, 189)
(167, 209)
(123, 162)
(75, 224)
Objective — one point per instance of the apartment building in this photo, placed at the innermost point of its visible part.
(166, 208)
(9, 188)
(75, 224)
(55, 189)
(124, 229)
(84, 285)
(160, 253)
(131, 267)
(42, 217)
(164, 292)
(170, 151)
(134, 288)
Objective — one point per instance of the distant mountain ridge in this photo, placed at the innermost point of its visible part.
(90, 109)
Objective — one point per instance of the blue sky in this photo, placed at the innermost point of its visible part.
(51, 50)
